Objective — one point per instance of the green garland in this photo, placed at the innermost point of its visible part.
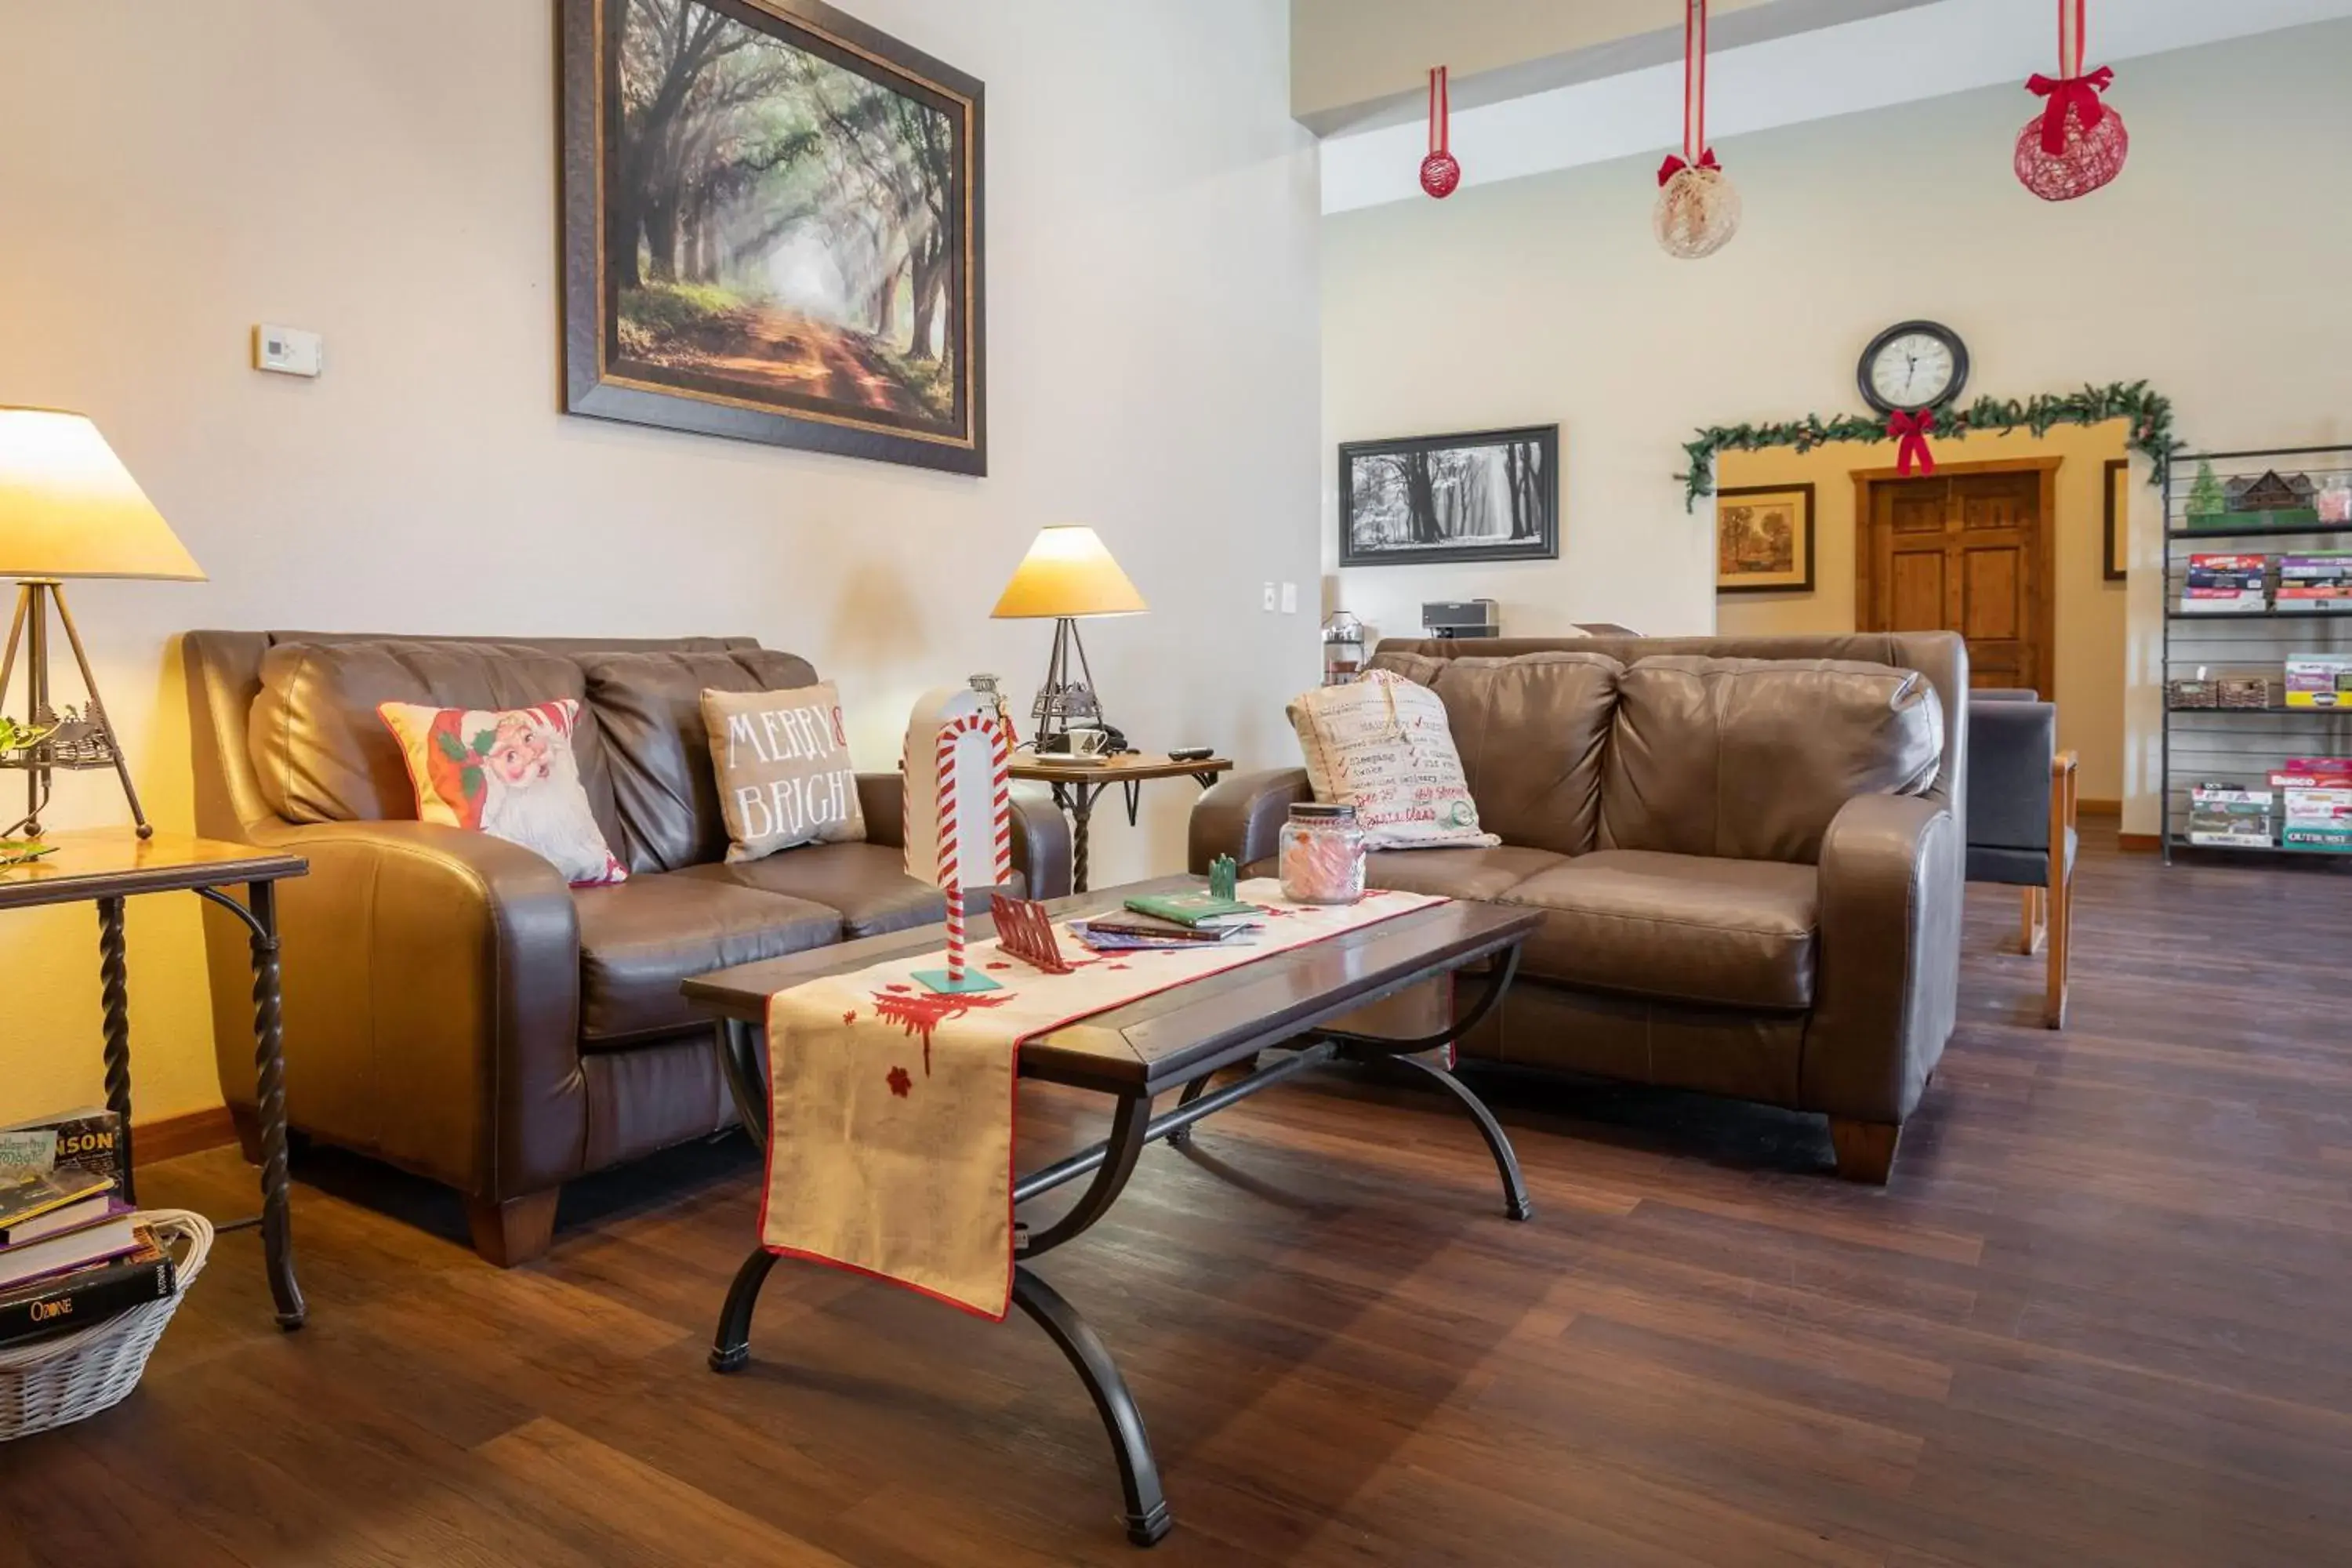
(2149, 413)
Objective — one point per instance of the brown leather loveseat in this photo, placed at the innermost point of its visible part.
(1748, 849)
(452, 1007)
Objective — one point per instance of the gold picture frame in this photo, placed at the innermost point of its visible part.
(1764, 539)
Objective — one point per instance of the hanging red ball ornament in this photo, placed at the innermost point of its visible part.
(1440, 174)
(2085, 159)
(2077, 144)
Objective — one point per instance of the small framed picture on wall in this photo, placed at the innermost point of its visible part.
(1764, 539)
(2116, 538)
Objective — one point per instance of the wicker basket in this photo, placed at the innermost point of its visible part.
(57, 1382)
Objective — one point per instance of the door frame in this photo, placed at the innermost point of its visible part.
(2046, 612)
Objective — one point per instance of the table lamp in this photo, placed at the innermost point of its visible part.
(68, 509)
(1067, 575)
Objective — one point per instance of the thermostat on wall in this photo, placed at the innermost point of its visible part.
(289, 351)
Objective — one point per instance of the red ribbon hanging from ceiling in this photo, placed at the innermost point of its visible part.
(1696, 152)
(1439, 171)
(2076, 92)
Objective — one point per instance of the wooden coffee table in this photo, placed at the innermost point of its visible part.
(1173, 1041)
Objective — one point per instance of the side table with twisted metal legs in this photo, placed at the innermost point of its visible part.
(107, 867)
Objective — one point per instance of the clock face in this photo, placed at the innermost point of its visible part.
(1919, 364)
(1913, 371)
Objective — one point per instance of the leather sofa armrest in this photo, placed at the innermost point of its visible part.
(1887, 983)
(1241, 814)
(1041, 843)
(432, 986)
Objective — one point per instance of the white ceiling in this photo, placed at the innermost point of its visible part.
(1921, 51)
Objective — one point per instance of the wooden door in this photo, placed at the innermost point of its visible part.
(1967, 551)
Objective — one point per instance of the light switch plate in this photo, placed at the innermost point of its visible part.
(1268, 604)
(289, 351)
(1290, 598)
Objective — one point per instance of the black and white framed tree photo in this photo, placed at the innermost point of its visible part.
(1487, 495)
(772, 222)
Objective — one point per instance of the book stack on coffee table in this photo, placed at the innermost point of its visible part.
(72, 1253)
(1175, 919)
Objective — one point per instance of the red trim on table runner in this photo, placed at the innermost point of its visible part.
(1012, 1169)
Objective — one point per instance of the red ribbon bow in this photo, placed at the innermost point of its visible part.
(1675, 165)
(2079, 94)
(1911, 430)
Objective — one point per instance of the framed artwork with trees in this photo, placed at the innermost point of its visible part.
(773, 230)
(1485, 495)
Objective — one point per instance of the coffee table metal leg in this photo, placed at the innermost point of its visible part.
(1499, 1142)
(1183, 1136)
(1376, 1048)
(1146, 1515)
(732, 1346)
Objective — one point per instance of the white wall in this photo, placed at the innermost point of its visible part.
(2214, 268)
(386, 175)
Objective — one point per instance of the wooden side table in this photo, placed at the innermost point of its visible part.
(105, 867)
(1078, 785)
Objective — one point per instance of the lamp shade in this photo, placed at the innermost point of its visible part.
(70, 509)
(1068, 572)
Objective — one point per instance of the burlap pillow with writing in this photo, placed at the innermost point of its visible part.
(783, 763)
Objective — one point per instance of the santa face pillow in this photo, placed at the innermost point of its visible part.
(510, 774)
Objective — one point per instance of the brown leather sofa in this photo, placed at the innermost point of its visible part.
(451, 1006)
(1749, 851)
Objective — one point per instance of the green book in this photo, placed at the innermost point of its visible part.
(1199, 909)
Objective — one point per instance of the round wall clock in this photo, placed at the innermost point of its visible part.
(1917, 364)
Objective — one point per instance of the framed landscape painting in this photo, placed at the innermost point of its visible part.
(773, 230)
(1488, 495)
(1764, 539)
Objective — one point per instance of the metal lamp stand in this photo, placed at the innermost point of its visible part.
(83, 742)
(1061, 699)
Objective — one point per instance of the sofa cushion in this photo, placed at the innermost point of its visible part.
(2017, 868)
(1484, 875)
(1532, 732)
(1384, 745)
(1749, 759)
(1740, 933)
(650, 708)
(866, 884)
(781, 760)
(321, 754)
(640, 941)
(510, 772)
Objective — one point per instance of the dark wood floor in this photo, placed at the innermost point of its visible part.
(2100, 1317)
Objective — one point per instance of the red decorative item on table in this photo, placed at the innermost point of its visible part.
(1440, 174)
(2077, 143)
(1911, 432)
(1026, 930)
(1699, 207)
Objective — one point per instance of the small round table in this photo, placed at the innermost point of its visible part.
(1078, 785)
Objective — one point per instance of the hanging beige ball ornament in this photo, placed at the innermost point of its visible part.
(1698, 209)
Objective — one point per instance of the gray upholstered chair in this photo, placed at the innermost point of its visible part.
(2021, 828)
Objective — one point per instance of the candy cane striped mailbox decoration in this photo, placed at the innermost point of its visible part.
(958, 824)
